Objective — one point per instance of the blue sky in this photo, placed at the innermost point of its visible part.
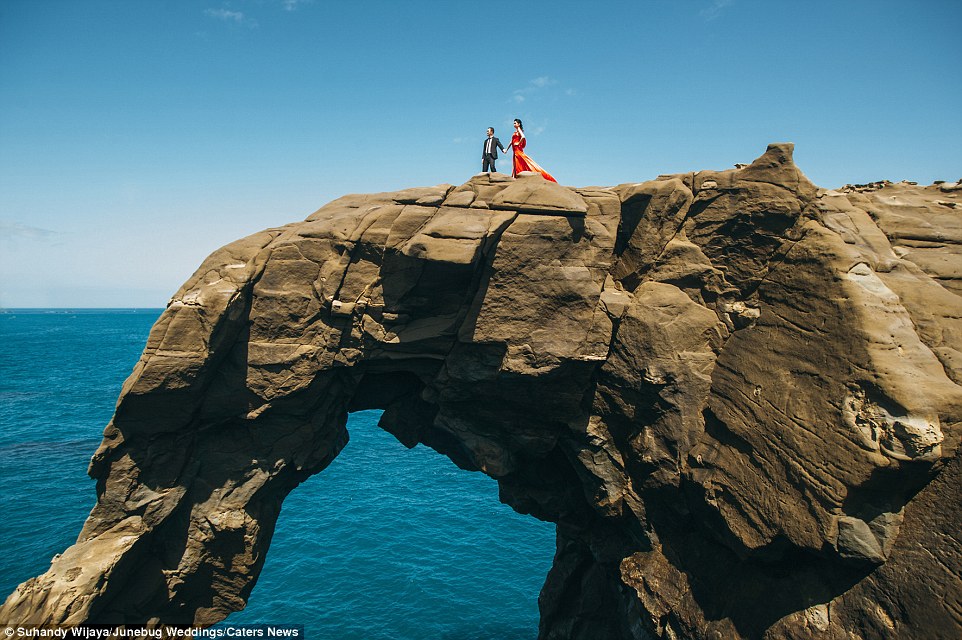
(138, 136)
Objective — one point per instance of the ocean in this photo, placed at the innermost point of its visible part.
(386, 544)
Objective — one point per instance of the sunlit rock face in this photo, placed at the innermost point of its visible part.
(736, 394)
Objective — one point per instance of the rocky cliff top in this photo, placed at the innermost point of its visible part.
(737, 395)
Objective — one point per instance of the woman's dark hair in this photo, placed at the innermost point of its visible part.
(520, 126)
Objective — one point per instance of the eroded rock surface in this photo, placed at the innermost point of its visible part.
(736, 394)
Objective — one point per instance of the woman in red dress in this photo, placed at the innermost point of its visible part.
(521, 160)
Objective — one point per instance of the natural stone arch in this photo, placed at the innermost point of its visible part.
(695, 377)
(422, 548)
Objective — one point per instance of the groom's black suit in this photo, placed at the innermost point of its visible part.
(489, 153)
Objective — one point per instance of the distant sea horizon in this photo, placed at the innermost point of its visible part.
(385, 544)
(80, 309)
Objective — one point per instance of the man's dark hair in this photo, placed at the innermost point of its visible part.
(492, 129)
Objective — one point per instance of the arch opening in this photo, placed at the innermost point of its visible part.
(389, 542)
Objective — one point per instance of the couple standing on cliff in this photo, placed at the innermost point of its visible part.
(522, 162)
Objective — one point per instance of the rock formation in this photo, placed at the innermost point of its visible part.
(736, 394)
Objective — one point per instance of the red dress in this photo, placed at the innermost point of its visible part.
(521, 160)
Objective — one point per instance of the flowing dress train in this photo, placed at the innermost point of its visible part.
(521, 160)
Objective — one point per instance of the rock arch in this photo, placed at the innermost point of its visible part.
(391, 543)
(736, 395)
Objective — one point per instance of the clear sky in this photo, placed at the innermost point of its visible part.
(138, 136)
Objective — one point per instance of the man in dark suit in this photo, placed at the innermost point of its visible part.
(489, 152)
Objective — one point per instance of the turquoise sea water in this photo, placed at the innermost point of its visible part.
(386, 544)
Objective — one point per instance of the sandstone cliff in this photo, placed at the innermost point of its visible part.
(736, 394)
